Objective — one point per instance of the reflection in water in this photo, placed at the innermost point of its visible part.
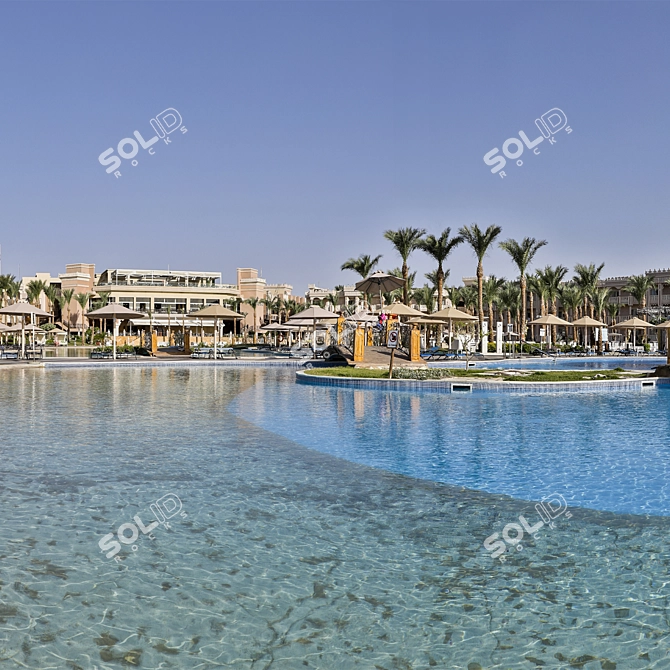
(605, 451)
(289, 558)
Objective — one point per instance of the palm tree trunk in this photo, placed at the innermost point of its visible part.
(440, 290)
(480, 296)
(554, 329)
(522, 326)
(255, 326)
(600, 337)
(532, 315)
(405, 276)
(490, 322)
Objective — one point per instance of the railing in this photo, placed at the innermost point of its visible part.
(140, 284)
(348, 336)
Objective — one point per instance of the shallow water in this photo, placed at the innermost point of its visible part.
(637, 363)
(603, 450)
(286, 557)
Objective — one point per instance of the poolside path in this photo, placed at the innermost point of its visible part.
(382, 356)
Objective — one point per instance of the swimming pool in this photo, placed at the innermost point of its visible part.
(291, 557)
(602, 450)
(563, 363)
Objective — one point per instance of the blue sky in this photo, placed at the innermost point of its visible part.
(314, 127)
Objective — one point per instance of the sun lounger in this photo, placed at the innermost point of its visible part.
(201, 353)
(438, 354)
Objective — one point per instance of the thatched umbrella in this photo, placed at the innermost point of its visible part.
(116, 312)
(633, 324)
(216, 312)
(24, 309)
(587, 322)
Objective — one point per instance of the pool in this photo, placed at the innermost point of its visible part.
(601, 450)
(566, 363)
(286, 550)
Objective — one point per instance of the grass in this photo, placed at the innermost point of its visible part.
(348, 372)
(490, 373)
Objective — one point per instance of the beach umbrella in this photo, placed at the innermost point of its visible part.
(633, 324)
(425, 321)
(24, 309)
(399, 309)
(380, 282)
(362, 317)
(283, 328)
(16, 328)
(665, 326)
(116, 312)
(450, 314)
(587, 322)
(550, 320)
(216, 312)
(279, 326)
(314, 313)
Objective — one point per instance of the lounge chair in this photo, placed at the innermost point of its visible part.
(438, 354)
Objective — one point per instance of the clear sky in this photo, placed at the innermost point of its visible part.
(314, 127)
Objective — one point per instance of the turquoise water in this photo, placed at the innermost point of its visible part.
(563, 363)
(288, 557)
(608, 451)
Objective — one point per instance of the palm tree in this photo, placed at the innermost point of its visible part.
(522, 256)
(280, 306)
(612, 309)
(51, 292)
(82, 300)
(425, 296)
(405, 241)
(363, 265)
(6, 282)
(268, 303)
(599, 297)
(480, 243)
(293, 307)
(535, 287)
(101, 300)
(253, 303)
(14, 291)
(491, 291)
(637, 286)
(454, 294)
(34, 291)
(66, 295)
(468, 294)
(398, 293)
(586, 278)
(550, 279)
(439, 249)
(571, 299)
(331, 299)
(510, 300)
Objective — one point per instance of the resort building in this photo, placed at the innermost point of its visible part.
(165, 291)
(251, 285)
(657, 298)
(345, 297)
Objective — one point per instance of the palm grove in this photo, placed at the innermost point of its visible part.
(549, 288)
(59, 301)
